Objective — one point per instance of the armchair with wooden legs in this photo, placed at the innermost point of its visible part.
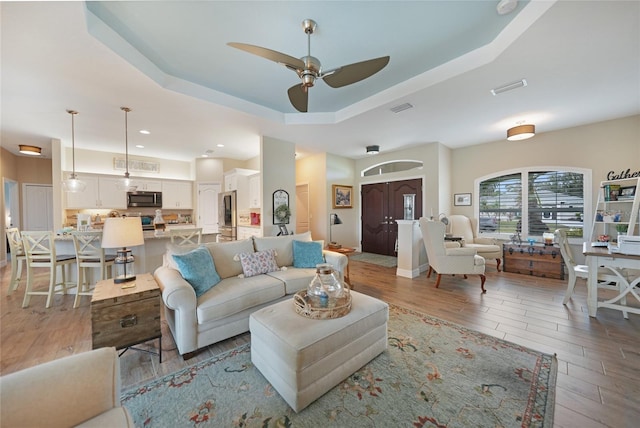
(444, 260)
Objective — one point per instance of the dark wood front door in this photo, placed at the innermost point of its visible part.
(382, 205)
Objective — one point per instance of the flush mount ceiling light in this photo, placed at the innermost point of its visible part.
(373, 150)
(30, 150)
(521, 132)
(72, 184)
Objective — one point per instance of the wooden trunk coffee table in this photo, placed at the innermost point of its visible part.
(125, 317)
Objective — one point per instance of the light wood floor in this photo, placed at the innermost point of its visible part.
(599, 358)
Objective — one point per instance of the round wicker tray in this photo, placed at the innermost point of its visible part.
(304, 307)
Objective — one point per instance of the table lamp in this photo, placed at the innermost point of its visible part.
(120, 233)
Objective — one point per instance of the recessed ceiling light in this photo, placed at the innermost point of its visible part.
(140, 146)
(219, 145)
(145, 132)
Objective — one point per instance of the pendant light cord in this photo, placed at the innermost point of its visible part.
(73, 143)
(126, 140)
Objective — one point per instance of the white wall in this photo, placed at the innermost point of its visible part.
(278, 166)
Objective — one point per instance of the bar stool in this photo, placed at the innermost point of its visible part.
(187, 236)
(89, 255)
(40, 250)
(17, 257)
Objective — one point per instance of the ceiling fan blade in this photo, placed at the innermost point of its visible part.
(353, 73)
(275, 56)
(299, 97)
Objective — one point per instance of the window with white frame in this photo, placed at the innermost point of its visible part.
(533, 201)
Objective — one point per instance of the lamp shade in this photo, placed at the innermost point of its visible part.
(122, 232)
(334, 219)
(30, 150)
(521, 132)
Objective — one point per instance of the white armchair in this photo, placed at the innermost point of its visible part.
(465, 227)
(79, 390)
(446, 260)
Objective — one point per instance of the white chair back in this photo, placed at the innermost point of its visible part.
(187, 236)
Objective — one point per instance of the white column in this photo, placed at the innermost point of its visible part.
(409, 244)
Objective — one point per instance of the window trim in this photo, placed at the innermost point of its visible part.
(524, 171)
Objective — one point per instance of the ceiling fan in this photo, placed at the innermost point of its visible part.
(309, 68)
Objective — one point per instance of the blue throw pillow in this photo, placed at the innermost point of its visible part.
(197, 268)
(307, 254)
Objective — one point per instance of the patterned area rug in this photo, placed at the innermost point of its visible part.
(433, 374)
(376, 259)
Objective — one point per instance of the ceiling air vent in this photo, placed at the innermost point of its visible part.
(401, 107)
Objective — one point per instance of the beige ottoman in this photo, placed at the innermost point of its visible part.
(304, 358)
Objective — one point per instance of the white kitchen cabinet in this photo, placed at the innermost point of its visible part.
(247, 232)
(101, 192)
(235, 178)
(255, 191)
(177, 195)
(143, 185)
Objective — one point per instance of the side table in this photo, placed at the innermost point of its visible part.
(125, 317)
(347, 252)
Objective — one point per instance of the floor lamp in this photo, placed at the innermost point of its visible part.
(333, 219)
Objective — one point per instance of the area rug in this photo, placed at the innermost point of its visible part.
(433, 374)
(376, 259)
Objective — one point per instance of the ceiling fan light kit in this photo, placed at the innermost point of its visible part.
(309, 68)
(30, 150)
(521, 132)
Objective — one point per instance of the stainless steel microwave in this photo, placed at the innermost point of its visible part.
(144, 199)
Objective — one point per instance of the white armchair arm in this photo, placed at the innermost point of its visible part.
(485, 241)
(464, 251)
(79, 389)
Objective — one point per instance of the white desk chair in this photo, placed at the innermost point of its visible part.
(40, 250)
(606, 279)
(89, 255)
(187, 236)
(17, 258)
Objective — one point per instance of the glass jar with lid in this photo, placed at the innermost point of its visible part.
(325, 288)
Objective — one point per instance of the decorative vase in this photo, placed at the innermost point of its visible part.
(324, 289)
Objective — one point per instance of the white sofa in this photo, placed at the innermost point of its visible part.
(223, 311)
(79, 390)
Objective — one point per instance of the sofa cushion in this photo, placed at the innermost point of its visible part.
(233, 295)
(222, 252)
(307, 254)
(197, 268)
(259, 262)
(283, 246)
(295, 279)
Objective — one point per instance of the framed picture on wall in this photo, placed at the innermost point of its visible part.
(342, 196)
(462, 199)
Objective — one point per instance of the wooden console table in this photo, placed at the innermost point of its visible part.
(125, 317)
(537, 260)
(347, 252)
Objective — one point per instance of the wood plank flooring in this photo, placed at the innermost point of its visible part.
(599, 358)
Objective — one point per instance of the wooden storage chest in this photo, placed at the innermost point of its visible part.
(125, 317)
(537, 260)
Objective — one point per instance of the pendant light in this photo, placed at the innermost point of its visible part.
(125, 182)
(72, 184)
